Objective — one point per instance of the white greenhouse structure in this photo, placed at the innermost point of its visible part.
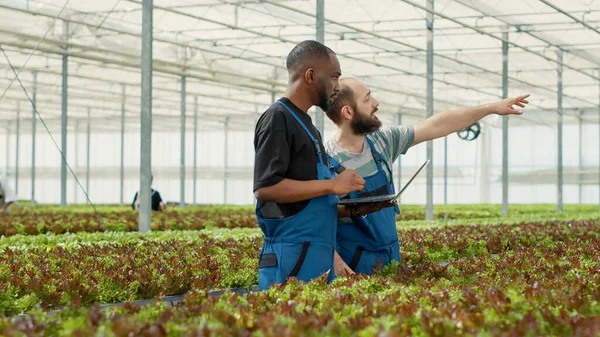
(95, 95)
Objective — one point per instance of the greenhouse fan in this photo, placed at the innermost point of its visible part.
(470, 133)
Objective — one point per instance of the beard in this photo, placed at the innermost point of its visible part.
(324, 100)
(364, 124)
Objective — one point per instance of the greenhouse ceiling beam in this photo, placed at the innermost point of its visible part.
(419, 19)
(347, 35)
(125, 32)
(414, 4)
(372, 24)
(218, 118)
(445, 30)
(183, 68)
(473, 51)
(411, 52)
(133, 84)
(278, 38)
(570, 86)
(479, 7)
(116, 98)
(138, 35)
(103, 123)
(47, 100)
(457, 72)
(125, 63)
(106, 124)
(572, 17)
(380, 65)
(450, 84)
(514, 29)
(408, 111)
(496, 95)
(424, 50)
(81, 102)
(44, 70)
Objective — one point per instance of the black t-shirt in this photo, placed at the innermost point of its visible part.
(156, 199)
(284, 150)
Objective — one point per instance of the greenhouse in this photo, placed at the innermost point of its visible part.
(103, 104)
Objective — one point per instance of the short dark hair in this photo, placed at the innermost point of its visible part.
(344, 97)
(308, 50)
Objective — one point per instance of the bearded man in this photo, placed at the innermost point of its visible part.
(361, 145)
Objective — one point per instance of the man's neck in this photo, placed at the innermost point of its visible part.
(299, 97)
(350, 141)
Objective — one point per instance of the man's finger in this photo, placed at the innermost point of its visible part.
(523, 96)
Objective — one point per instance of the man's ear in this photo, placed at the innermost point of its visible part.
(309, 76)
(347, 112)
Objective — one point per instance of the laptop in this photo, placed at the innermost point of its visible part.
(391, 198)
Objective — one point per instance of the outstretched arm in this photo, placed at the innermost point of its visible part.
(447, 122)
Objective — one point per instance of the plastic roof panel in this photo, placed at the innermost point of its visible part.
(235, 52)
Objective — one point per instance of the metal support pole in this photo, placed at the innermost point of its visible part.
(274, 79)
(65, 75)
(560, 131)
(226, 131)
(182, 144)
(7, 148)
(17, 140)
(446, 170)
(429, 201)
(87, 151)
(122, 169)
(580, 176)
(33, 134)
(194, 174)
(399, 163)
(505, 126)
(320, 116)
(76, 157)
(146, 118)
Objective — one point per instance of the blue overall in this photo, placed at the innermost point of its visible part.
(367, 239)
(303, 244)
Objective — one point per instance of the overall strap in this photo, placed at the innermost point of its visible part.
(314, 140)
(337, 167)
(378, 160)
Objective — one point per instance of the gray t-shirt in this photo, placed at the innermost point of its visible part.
(389, 141)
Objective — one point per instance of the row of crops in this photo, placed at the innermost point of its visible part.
(469, 272)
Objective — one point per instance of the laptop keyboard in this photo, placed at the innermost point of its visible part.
(375, 198)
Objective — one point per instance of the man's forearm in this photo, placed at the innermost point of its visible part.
(288, 190)
(447, 122)
(456, 120)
